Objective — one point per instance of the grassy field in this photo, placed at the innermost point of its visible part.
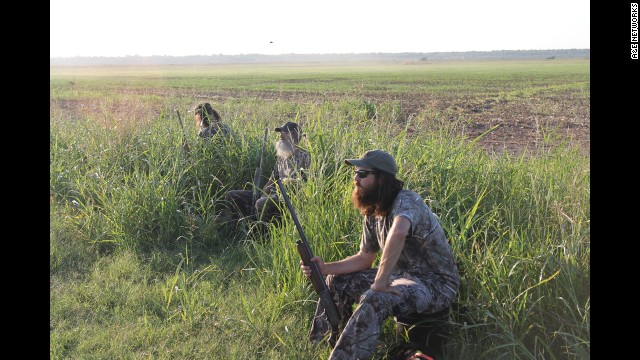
(142, 267)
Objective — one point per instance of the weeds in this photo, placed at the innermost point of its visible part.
(141, 266)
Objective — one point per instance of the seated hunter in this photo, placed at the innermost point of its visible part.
(210, 123)
(292, 163)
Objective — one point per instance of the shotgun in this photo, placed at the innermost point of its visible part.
(258, 174)
(316, 277)
(185, 145)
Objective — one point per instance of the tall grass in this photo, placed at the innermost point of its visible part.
(142, 267)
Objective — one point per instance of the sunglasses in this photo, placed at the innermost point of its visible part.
(364, 173)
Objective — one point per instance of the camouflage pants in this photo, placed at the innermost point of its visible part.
(238, 203)
(268, 207)
(361, 327)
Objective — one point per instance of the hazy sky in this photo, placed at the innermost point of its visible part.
(230, 27)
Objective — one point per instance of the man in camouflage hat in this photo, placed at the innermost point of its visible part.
(417, 272)
(293, 164)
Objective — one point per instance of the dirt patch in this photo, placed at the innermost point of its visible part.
(533, 124)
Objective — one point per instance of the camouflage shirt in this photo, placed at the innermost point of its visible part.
(290, 170)
(296, 166)
(210, 131)
(426, 253)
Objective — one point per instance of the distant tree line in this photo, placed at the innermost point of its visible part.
(259, 58)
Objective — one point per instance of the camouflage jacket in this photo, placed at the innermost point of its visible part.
(426, 252)
(291, 169)
(210, 131)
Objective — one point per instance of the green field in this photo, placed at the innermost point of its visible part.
(440, 78)
(141, 267)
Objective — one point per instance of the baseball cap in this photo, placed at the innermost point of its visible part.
(377, 159)
(289, 127)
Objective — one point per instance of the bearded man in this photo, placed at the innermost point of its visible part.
(293, 164)
(416, 274)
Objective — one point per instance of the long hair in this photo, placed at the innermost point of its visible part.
(378, 201)
(207, 113)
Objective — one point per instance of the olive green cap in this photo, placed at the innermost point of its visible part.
(376, 159)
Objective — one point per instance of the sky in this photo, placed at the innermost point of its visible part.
(272, 27)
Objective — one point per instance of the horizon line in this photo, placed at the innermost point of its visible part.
(286, 54)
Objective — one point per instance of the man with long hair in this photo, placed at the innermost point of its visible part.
(292, 162)
(209, 122)
(416, 273)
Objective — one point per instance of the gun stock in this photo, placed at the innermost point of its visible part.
(317, 280)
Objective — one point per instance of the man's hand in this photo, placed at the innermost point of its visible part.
(288, 180)
(385, 288)
(269, 187)
(306, 270)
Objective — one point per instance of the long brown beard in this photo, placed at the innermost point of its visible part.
(379, 200)
(366, 201)
(284, 149)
